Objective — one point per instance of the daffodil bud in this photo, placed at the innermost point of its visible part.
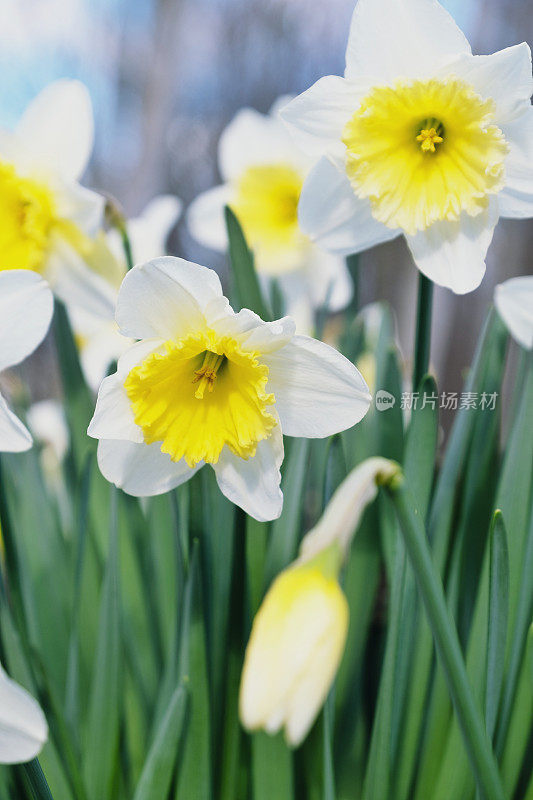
(299, 633)
(295, 647)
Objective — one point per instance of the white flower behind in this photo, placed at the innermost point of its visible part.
(47, 219)
(207, 385)
(263, 173)
(419, 137)
(514, 301)
(23, 728)
(26, 307)
(98, 337)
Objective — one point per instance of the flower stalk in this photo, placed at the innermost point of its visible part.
(447, 642)
(423, 330)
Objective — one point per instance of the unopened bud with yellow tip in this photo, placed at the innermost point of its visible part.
(299, 633)
(297, 641)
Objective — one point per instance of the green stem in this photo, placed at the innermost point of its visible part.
(423, 330)
(35, 782)
(447, 642)
(126, 244)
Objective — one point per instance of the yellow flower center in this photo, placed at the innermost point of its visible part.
(29, 219)
(201, 393)
(266, 205)
(424, 151)
(27, 214)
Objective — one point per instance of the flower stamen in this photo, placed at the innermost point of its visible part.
(206, 375)
(429, 137)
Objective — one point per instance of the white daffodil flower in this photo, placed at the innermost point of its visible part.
(99, 340)
(26, 307)
(299, 633)
(263, 173)
(208, 386)
(419, 137)
(47, 220)
(23, 728)
(46, 420)
(514, 301)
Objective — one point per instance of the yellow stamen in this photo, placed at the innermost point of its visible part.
(428, 138)
(206, 376)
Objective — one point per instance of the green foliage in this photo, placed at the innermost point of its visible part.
(129, 619)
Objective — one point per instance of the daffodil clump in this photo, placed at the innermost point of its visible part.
(243, 552)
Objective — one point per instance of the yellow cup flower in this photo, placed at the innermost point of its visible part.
(295, 647)
(419, 138)
(206, 385)
(263, 172)
(48, 221)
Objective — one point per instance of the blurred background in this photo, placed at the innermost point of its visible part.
(166, 76)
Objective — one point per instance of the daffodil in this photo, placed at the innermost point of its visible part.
(263, 173)
(419, 138)
(206, 385)
(23, 728)
(514, 301)
(295, 648)
(26, 306)
(299, 633)
(99, 340)
(47, 220)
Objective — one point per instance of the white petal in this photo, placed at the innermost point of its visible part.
(141, 470)
(516, 198)
(329, 279)
(452, 254)
(76, 284)
(164, 298)
(57, 128)
(23, 728)
(26, 307)
(505, 77)
(254, 484)
(205, 217)
(334, 217)
(252, 138)
(14, 437)
(318, 391)
(252, 332)
(297, 299)
(514, 301)
(149, 231)
(519, 134)
(100, 351)
(113, 415)
(81, 206)
(392, 39)
(316, 118)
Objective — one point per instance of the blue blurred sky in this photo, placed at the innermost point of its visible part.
(108, 44)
